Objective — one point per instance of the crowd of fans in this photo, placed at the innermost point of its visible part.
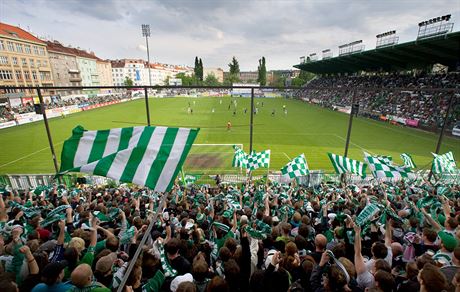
(271, 237)
(7, 113)
(411, 102)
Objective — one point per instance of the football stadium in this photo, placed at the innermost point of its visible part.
(115, 179)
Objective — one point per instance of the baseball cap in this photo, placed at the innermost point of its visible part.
(105, 263)
(448, 240)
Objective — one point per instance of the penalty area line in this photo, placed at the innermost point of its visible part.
(287, 155)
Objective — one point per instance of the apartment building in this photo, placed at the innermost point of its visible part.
(24, 61)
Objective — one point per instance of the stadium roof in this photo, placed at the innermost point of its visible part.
(444, 50)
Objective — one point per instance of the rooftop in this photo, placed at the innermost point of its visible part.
(17, 32)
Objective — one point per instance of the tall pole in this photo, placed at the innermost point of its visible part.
(148, 59)
(350, 123)
(251, 123)
(48, 133)
(441, 135)
(147, 104)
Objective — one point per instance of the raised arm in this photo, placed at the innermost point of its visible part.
(432, 222)
(31, 262)
(359, 260)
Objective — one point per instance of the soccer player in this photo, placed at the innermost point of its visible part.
(229, 126)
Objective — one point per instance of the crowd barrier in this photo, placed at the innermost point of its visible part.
(23, 182)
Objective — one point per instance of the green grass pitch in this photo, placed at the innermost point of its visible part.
(305, 129)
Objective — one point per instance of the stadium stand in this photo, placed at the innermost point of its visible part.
(411, 102)
(407, 67)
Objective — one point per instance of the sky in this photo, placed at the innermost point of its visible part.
(217, 30)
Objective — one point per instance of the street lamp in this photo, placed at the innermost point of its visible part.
(146, 34)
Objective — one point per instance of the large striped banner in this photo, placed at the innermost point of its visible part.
(147, 156)
(344, 164)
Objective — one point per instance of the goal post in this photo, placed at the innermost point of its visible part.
(211, 159)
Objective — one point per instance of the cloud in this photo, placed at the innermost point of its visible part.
(281, 30)
(142, 48)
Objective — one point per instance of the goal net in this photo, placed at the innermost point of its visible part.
(211, 159)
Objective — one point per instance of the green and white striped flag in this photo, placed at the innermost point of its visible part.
(147, 156)
(408, 162)
(381, 168)
(296, 167)
(344, 164)
(258, 159)
(240, 158)
(444, 163)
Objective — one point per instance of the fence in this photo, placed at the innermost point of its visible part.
(22, 182)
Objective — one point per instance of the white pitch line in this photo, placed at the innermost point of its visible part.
(23, 157)
(287, 155)
(362, 148)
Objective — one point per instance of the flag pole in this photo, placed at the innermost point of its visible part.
(350, 124)
(438, 146)
(48, 132)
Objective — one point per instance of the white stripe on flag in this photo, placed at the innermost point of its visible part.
(113, 140)
(173, 160)
(89, 168)
(84, 148)
(119, 164)
(143, 169)
(137, 132)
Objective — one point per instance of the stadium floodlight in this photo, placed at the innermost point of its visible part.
(327, 54)
(435, 26)
(388, 38)
(146, 34)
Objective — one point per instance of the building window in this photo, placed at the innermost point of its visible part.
(19, 48)
(27, 75)
(6, 75)
(42, 51)
(3, 60)
(10, 46)
(27, 49)
(34, 75)
(2, 46)
(45, 63)
(24, 61)
(38, 63)
(32, 63)
(15, 60)
(18, 75)
(35, 50)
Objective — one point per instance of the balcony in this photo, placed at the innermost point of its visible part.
(74, 71)
(46, 69)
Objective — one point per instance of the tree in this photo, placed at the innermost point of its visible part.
(234, 72)
(187, 80)
(262, 72)
(303, 78)
(196, 69)
(211, 80)
(201, 71)
(128, 81)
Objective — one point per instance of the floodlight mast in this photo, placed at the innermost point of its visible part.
(146, 34)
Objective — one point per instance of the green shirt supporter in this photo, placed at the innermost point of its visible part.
(220, 242)
(100, 245)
